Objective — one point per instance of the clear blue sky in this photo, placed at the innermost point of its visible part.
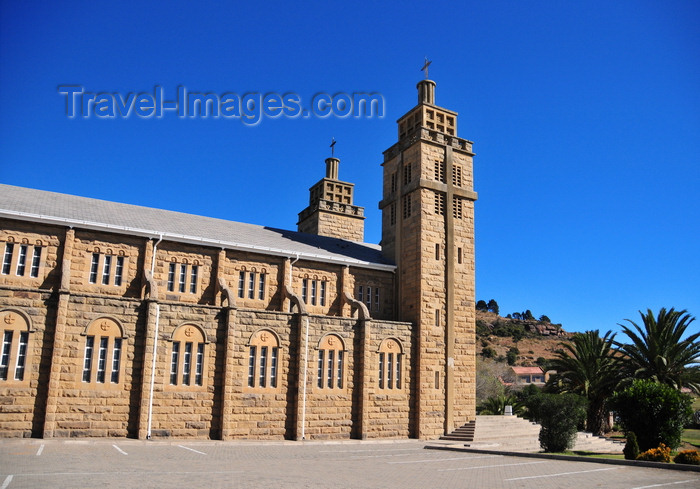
(585, 118)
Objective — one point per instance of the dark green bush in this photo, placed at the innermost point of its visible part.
(631, 449)
(657, 413)
(559, 415)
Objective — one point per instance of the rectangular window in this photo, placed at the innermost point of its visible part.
(437, 317)
(389, 371)
(457, 176)
(119, 271)
(368, 298)
(241, 285)
(322, 297)
(263, 366)
(459, 255)
(437, 251)
(7, 258)
(199, 368)
(21, 355)
(102, 360)
(193, 279)
(392, 215)
(359, 294)
(407, 206)
(304, 287)
(182, 278)
(440, 171)
(331, 355)
(393, 182)
(251, 286)
(381, 370)
(313, 292)
(187, 364)
(339, 378)
(106, 269)
(22, 260)
(171, 277)
(87, 363)
(261, 287)
(320, 368)
(437, 380)
(407, 174)
(36, 261)
(116, 359)
(5, 358)
(273, 367)
(174, 357)
(376, 298)
(398, 370)
(251, 367)
(457, 208)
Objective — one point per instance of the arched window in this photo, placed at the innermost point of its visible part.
(263, 360)
(187, 356)
(14, 350)
(330, 371)
(390, 373)
(103, 352)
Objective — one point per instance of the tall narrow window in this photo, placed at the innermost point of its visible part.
(360, 296)
(5, 358)
(199, 368)
(381, 370)
(174, 357)
(183, 277)
(171, 277)
(437, 251)
(376, 298)
(368, 298)
(87, 362)
(116, 360)
(339, 378)
(251, 286)
(21, 355)
(36, 261)
(263, 366)
(389, 370)
(392, 213)
(241, 285)
(398, 371)
(273, 367)
(261, 287)
(331, 358)
(459, 255)
(193, 279)
(187, 364)
(319, 374)
(251, 367)
(106, 269)
(102, 360)
(304, 289)
(119, 271)
(322, 297)
(22, 260)
(7, 258)
(313, 292)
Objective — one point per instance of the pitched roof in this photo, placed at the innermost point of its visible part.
(527, 370)
(85, 213)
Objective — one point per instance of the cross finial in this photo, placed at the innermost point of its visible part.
(425, 67)
(333, 141)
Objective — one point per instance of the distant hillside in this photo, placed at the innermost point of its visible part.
(517, 341)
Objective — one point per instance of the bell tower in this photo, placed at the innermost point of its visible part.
(331, 211)
(428, 231)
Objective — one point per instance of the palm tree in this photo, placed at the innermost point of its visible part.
(659, 352)
(588, 367)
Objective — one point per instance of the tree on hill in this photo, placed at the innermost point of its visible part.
(588, 367)
(544, 319)
(493, 306)
(659, 352)
(527, 315)
(481, 306)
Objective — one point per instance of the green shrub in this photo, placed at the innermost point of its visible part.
(559, 415)
(655, 412)
(488, 352)
(631, 449)
(660, 454)
(690, 457)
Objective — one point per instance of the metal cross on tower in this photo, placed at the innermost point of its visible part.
(333, 147)
(425, 67)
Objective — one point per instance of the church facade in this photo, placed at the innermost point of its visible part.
(119, 320)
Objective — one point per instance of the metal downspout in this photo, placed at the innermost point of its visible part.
(155, 344)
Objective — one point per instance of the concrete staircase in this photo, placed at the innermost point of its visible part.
(513, 434)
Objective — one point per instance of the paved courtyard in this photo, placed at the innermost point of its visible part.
(405, 464)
